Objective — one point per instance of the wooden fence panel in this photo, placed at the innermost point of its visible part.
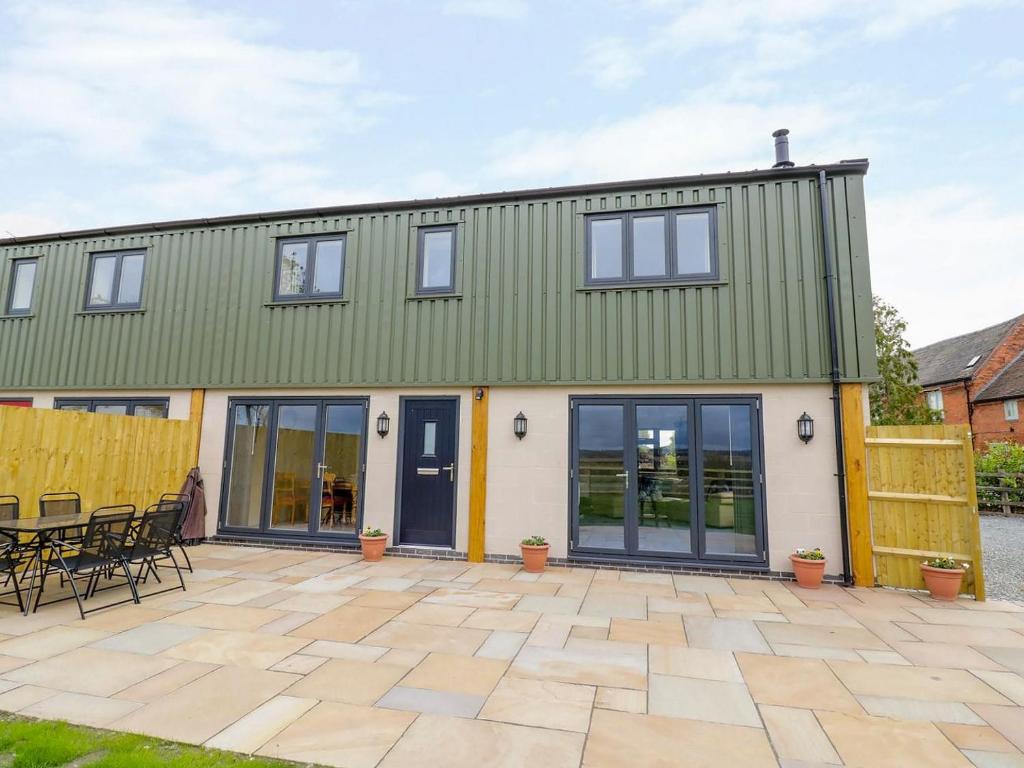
(106, 459)
(923, 503)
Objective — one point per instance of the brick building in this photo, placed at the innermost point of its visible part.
(978, 379)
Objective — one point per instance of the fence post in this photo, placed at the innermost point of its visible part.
(972, 500)
(857, 512)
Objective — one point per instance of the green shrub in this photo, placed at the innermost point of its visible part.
(1005, 458)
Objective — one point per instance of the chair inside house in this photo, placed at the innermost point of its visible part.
(185, 500)
(152, 544)
(99, 552)
(10, 551)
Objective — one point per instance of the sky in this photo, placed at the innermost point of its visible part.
(124, 112)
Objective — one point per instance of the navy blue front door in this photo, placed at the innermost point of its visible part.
(427, 507)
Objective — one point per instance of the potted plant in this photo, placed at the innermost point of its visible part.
(942, 576)
(808, 566)
(535, 553)
(373, 541)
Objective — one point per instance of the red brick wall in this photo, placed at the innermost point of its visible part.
(1001, 356)
(954, 404)
(991, 426)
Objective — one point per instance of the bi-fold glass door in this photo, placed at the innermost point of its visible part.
(295, 466)
(668, 478)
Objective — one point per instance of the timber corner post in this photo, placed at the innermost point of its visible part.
(195, 415)
(478, 475)
(856, 467)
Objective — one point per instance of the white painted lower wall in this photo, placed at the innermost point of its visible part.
(528, 480)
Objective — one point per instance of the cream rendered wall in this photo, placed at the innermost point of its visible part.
(381, 453)
(179, 401)
(528, 480)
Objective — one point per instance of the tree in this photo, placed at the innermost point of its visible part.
(896, 398)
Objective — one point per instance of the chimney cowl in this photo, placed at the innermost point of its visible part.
(782, 160)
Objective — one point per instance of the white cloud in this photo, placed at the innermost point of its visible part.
(487, 9)
(949, 257)
(122, 81)
(696, 136)
(611, 63)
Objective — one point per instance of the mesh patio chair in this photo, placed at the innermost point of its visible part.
(10, 551)
(99, 552)
(153, 542)
(60, 503)
(179, 542)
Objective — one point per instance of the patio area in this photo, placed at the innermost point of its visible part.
(324, 658)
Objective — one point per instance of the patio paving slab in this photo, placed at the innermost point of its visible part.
(509, 621)
(977, 737)
(243, 649)
(237, 593)
(91, 670)
(50, 642)
(502, 645)
(472, 599)
(584, 664)
(81, 709)
(166, 682)
(878, 742)
(918, 709)
(149, 638)
(349, 623)
(214, 616)
(423, 637)
(424, 700)
(927, 683)
(472, 675)
(541, 703)
(666, 631)
(712, 701)
(724, 634)
(621, 699)
(800, 683)
(22, 696)
(347, 681)
(259, 726)
(459, 743)
(203, 708)
(342, 735)
(620, 739)
(439, 615)
(797, 735)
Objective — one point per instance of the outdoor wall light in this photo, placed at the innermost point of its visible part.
(383, 424)
(805, 427)
(519, 425)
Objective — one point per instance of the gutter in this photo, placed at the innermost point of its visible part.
(837, 406)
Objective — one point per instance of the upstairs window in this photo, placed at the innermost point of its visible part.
(435, 259)
(310, 268)
(151, 407)
(644, 246)
(23, 281)
(115, 280)
(1010, 410)
(934, 399)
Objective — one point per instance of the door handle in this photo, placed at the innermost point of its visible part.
(320, 468)
(625, 475)
(450, 469)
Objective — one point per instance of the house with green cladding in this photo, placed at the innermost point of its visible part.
(642, 371)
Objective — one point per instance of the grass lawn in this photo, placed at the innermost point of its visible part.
(40, 744)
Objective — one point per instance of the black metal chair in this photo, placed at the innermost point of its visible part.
(10, 550)
(60, 503)
(153, 541)
(179, 542)
(100, 551)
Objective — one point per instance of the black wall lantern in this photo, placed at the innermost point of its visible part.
(383, 424)
(519, 425)
(805, 427)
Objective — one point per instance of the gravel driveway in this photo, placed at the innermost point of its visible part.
(1002, 544)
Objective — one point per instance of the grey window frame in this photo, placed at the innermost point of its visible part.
(130, 403)
(15, 265)
(672, 274)
(421, 233)
(311, 242)
(115, 304)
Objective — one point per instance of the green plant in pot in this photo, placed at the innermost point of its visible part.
(808, 567)
(373, 542)
(943, 576)
(535, 553)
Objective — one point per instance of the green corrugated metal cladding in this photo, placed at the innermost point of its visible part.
(522, 314)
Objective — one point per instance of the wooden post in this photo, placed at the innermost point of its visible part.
(478, 475)
(972, 500)
(195, 416)
(858, 512)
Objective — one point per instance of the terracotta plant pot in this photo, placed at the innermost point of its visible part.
(943, 583)
(534, 557)
(808, 572)
(373, 547)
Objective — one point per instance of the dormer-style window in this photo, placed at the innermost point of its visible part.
(674, 245)
(973, 361)
(310, 268)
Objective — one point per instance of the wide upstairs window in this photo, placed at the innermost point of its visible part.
(674, 245)
(435, 259)
(150, 407)
(115, 280)
(23, 281)
(310, 268)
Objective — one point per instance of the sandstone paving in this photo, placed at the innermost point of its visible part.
(324, 658)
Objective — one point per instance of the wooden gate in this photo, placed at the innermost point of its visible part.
(923, 503)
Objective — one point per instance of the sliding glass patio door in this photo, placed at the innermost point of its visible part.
(294, 466)
(667, 478)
